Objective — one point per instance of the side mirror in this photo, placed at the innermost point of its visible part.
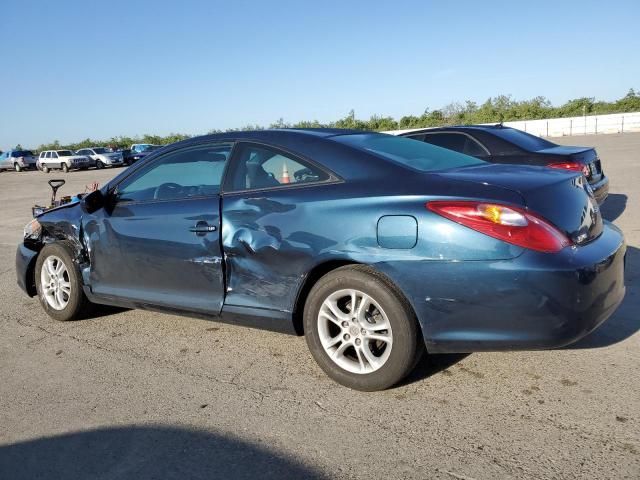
(93, 201)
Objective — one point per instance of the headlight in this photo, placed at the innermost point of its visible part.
(32, 230)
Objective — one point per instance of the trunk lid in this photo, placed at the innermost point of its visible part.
(583, 155)
(563, 198)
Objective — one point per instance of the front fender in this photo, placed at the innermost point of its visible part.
(25, 266)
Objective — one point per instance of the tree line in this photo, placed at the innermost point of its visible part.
(502, 108)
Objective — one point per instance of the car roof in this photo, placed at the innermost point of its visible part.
(462, 128)
(270, 133)
(293, 138)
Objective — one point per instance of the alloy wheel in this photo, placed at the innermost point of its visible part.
(354, 331)
(55, 282)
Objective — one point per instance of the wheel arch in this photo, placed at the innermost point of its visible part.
(30, 277)
(317, 272)
(323, 269)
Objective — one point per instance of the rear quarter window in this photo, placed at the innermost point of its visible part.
(523, 140)
(408, 152)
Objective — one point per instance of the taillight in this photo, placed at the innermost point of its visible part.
(573, 166)
(510, 224)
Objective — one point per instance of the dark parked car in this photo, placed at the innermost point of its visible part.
(132, 156)
(374, 246)
(499, 144)
(126, 155)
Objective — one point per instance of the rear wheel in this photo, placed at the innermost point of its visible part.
(360, 329)
(17, 167)
(45, 169)
(58, 283)
(64, 167)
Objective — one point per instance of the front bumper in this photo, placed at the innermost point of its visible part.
(112, 162)
(535, 301)
(25, 265)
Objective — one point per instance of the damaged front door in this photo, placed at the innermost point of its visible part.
(158, 242)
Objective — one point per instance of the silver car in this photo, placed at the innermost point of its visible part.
(102, 157)
(18, 160)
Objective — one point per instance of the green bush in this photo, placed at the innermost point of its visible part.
(502, 108)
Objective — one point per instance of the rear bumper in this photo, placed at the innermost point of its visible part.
(535, 301)
(25, 264)
(28, 165)
(601, 190)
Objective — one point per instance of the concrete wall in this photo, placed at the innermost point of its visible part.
(589, 125)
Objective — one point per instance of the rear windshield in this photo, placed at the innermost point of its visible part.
(65, 153)
(412, 153)
(522, 139)
(22, 153)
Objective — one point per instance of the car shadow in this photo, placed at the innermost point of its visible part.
(431, 364)
(143, 452)
(98, 311)
(614, 206)
(626, 320)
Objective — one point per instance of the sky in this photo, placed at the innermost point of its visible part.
(95, 69)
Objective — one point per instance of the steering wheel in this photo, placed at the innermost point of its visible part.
(166, 190)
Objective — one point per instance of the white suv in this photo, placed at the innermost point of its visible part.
(102, 157)
(64, 160)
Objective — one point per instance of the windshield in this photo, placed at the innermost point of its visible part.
(22, 153)
(152, 148)
(522, 139)
(100, 150)
(65, 153)
(412, 153)
(141, 147)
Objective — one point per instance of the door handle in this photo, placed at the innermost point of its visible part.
(202, 228)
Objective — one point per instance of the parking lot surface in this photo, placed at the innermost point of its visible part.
(134, 394)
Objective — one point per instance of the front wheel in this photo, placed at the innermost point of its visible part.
(360, 329)
(99, 165)
(18, 168)
(45, 169)
(58, 283)
(64, 167)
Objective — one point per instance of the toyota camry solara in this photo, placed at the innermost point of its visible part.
(375, 247)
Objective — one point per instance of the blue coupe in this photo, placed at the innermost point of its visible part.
(375, 247)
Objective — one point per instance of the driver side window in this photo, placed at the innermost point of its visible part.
(187, 173)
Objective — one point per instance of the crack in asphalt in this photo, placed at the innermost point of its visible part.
(4, 272)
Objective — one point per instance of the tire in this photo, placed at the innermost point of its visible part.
(64, 167)
(45, 169)
(363, 364)
(17, 167)
(99, 165)
(73, 303)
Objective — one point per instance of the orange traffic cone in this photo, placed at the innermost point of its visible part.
(285, 174)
